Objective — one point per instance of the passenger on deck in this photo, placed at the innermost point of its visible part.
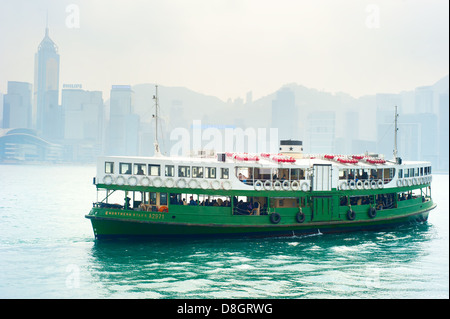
(192, 202)
(264, 209)
(249, 208)
(127, 202)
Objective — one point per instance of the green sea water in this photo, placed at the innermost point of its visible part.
(47, 250)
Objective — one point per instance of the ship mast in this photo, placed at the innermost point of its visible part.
(395, 134)
(155, 116)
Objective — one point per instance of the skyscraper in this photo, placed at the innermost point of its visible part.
(443, 127)
(17, 105)
(285, 114)
(46, 89)
(123, 130)
(83, 122)
(320, 132)
(424, 99)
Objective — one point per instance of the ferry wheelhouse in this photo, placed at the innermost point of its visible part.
(257, 195)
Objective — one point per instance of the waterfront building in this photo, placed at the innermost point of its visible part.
(20, 145)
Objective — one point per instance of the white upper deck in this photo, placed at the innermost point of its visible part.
(241, 171)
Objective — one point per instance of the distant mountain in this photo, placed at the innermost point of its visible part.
(180, 106)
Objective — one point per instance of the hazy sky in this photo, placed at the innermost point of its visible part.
(229, 47)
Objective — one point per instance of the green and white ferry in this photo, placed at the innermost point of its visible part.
(239, 194)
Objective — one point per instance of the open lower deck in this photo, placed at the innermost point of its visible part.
(180, 211)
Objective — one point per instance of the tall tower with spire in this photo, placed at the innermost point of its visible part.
(46, 88)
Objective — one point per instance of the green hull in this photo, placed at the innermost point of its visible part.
(198, 221)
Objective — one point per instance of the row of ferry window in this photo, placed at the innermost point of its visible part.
(412, 172)
(169, 170)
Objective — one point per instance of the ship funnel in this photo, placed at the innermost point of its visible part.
(292, 148)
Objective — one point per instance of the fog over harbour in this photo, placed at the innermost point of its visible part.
(81, 79)
(328, 73)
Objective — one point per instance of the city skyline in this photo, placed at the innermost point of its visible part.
(84, 122)
(226, 49)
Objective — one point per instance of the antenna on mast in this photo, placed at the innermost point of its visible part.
(46, 25)
(396, 159)
(155, 116)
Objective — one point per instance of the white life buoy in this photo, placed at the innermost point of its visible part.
(410, 182)
(380, 184)
(157, 182)
(366, 184)
(285, 185)
(373, 184)
(359, 184)
(204, 184)
(226, 185)
(258, 185)
(405, 182)
(120, 180)
(399, 182)
(107, 179)
(145, 181)
(352, 184)
(193, 183)
(277, 185)
(181, 183)
(343, 186)
(267, 185)
(215, 184)
(169, 182)
(295, 185)
(132, 181)
(305, 186)
(415, 181)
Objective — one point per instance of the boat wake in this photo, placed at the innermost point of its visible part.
(306, 235)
